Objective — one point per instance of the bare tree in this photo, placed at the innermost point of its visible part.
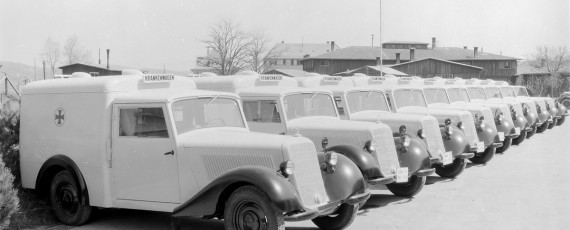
(74, 52)
(50, 53)
(229, 47)
(552, 60)
(261, 53)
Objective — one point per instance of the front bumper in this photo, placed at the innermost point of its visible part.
(359, 198)
(424, 172)
(309, 214)
(382, 180)
(465, 155)
(497, 145)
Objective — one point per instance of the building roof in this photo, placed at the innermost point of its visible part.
(383, 69)
(444, 53)
(103, 67)
(437, 59)
(406, 42)
(299, 50)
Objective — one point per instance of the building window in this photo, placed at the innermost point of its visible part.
(507, 65)
(94, 74)
(324, 63)
(447, 76)
(309, 64)
(273, 62)
(284, 61)
(292, 62)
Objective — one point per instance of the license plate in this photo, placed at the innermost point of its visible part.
(402, 175)
(517, 130)
(501, 136)
(480, 147)
(447, 158)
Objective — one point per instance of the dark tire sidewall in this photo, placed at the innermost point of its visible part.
(64, 193)
(452, 170)
(345, 215)
(250, 195)
(414, 186)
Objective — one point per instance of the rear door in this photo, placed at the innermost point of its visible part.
(144, 154)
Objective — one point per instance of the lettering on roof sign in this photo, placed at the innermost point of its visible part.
(429, 80)
(377, 78)
(405, 79)
(331, 79)
(449, 82)
(270, 77)
(151, 78)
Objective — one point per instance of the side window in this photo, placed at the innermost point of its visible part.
(338, 103)
(264, 111)
(142, 122)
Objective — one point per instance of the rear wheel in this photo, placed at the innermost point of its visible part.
(451, 170)
(64, 199)
(554, 122)
(340, 219)
(249, 208)
(506, 145)
(408, 189)
(484, 157)
(542, 128)
(519, 139)
(532, 132)
(561, 121)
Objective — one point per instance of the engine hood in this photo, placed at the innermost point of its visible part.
(329, 124)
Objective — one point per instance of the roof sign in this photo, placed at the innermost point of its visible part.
(152, 78)
(450, 82)
(430, 81)
(377, 78)
(270, 77)
(405, 78)
(332, 78)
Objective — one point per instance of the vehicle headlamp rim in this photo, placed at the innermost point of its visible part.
(421, 134)
(287, 168)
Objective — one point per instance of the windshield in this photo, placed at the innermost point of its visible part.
(477, 93)
(371, 100)
(436, 96)
(507, 92)
(308, 104)
(521, 91)
(409, 97)
(458, 95)
(493, 92)
(199, 113)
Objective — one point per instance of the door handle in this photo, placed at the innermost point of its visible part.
(169, 153)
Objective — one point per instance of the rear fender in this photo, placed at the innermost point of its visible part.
(54, 165)
(211, 199)
(367, 164)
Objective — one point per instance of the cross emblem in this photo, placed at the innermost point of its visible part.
(59, 117)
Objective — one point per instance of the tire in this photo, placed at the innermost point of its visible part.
(414, 185)
(542, 128)
(487, 155)
(532, 132)
(554, 122)
(506, 145)
(561, 121)
(340, 219)
(451, 170)
(64, 200)
(249, 208)
(519, 139)
(566, 103)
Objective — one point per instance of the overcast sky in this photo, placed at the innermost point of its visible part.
(152, 33)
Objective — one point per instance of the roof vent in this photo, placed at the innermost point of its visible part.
(80, 75)
(131, 72)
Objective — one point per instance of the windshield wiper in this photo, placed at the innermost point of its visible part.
(213, 99)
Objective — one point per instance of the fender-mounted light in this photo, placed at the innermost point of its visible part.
(538, 109)
(460, 125)
(370, 146)
(402, 129)
(447, 121)
(498, 117)
(406, 140)
(421, 134)
(448, 131)
(324, 142)
(287, 168)
(513, 112)
(547, 106)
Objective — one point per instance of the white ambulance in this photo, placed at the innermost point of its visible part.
(154, 142)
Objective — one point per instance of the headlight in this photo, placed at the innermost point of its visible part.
(525, 108)
(402, 129)
(447, 121)
(513, 112)
(370, 146)
(331, 158)
(538, 109)
(448, 130)
(547, 106)
(460, 125)
(287, 168)
(421, 134)
(406, 140)
(498, 117)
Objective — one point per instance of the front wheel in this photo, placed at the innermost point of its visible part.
(542, 128)
(485, 157)
(506, 145)
(554, 122)
(340, 219)
(520, 138)
(532, 132)
(561, 121)
(249, 208)
(64, 199)
(414, 185)
(451, 170)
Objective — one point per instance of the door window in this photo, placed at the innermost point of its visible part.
(264, 111)
(142, 122)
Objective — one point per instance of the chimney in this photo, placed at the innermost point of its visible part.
(99, 56)
(475, 51)
(377, 60)
(397, 58)
(412, 53)
(432, 43)
(108, 50)
(332, 46)
(464, 47)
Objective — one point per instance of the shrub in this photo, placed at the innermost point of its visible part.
(9, 202)
(10, 138)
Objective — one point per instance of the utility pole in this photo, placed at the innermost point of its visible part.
(372, 40)
(381, 53)
(44, 64)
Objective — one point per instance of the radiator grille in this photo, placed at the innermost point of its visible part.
(433, 137)
(469, 130)
(218, 163)
(385, 150)
(307, 176)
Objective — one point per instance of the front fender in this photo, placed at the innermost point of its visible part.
(367, 164)
(506, 127)
(520, 122)
(531, 118)
(458, 143)
(488, 134)
(345, 181)
(416, 156)
(543, 116)
(211, 199)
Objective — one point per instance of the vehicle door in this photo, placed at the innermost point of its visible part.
(264, 115)
(144, 154)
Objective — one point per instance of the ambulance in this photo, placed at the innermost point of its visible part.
(275, 104)
(154, 142)
(364, 104)
(522, 91)
(457, 127)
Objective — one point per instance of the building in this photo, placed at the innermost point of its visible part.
(94, 71)
(493, 66)
(373, 71)
(289, 55)
(432, 67)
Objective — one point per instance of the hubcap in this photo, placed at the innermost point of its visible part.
(67, 199)
(249, 216)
